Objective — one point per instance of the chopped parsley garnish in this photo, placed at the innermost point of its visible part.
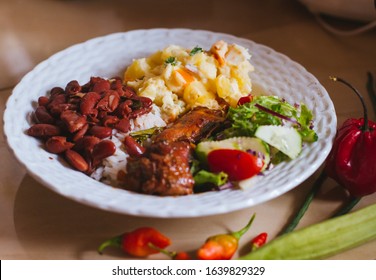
(171, 60)
(195, 50)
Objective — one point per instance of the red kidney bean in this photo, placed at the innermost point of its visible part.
(43, 101)
(101, 85)
(44, 130)
(129, 92)
(76, 160)
(117, 85)
(59, 108)
(72, 87)
(55, 106)
(86, 144)
(75, 100)
(56, 91)
(43, 116)
(88, 103)
(123, 125)
(110, 120)
(102, 114)
(146, 101)
(93, 119)
(100, 131)
(83, 114)
(139, 112)
(102, 150)
(79, 134)
(109, 101)
(132, 147)
(56, 100)
(73, 120)
(124, 109)
(58, 144)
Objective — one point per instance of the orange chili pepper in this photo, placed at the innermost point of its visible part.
(137, 243)
(222, 246)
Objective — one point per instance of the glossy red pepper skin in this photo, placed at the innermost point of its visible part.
(181, 256)
(352, 160)
(137, 243)
(259, 240)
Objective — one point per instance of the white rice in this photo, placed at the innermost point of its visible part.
(111, 166)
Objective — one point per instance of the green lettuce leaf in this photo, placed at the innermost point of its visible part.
(245, 119)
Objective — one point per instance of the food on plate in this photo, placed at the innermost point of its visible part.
(238, 165)
(180, 121)
(285, 139)
(178, 79)
(78, 121)
(246, 144)
(164, 168)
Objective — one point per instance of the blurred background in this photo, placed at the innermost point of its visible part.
(32, 30)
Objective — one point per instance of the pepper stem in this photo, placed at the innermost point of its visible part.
(171, 254)
(113, 242)
(312, 193)
(365, 125)
(347, 207)
(240, 233)
(371, 90)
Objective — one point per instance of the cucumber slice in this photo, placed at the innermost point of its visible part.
(286, 139)
(236, 143)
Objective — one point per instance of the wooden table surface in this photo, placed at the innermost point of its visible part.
(36, 223)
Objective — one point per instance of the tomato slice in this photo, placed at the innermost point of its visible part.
(238, 165)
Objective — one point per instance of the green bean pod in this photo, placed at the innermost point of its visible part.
(322, 240)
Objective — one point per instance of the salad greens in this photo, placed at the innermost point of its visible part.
(266, 126)
(270, 110)
(279, 125)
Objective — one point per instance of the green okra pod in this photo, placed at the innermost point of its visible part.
(322, 240)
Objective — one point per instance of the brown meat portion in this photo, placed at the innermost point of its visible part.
(164, 168)
(193, 126)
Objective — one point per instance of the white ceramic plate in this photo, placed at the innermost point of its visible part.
(108, 56)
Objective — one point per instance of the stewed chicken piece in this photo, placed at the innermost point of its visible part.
(164, 168)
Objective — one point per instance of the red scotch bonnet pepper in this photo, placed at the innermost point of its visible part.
(137, 243)
(352, 160)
